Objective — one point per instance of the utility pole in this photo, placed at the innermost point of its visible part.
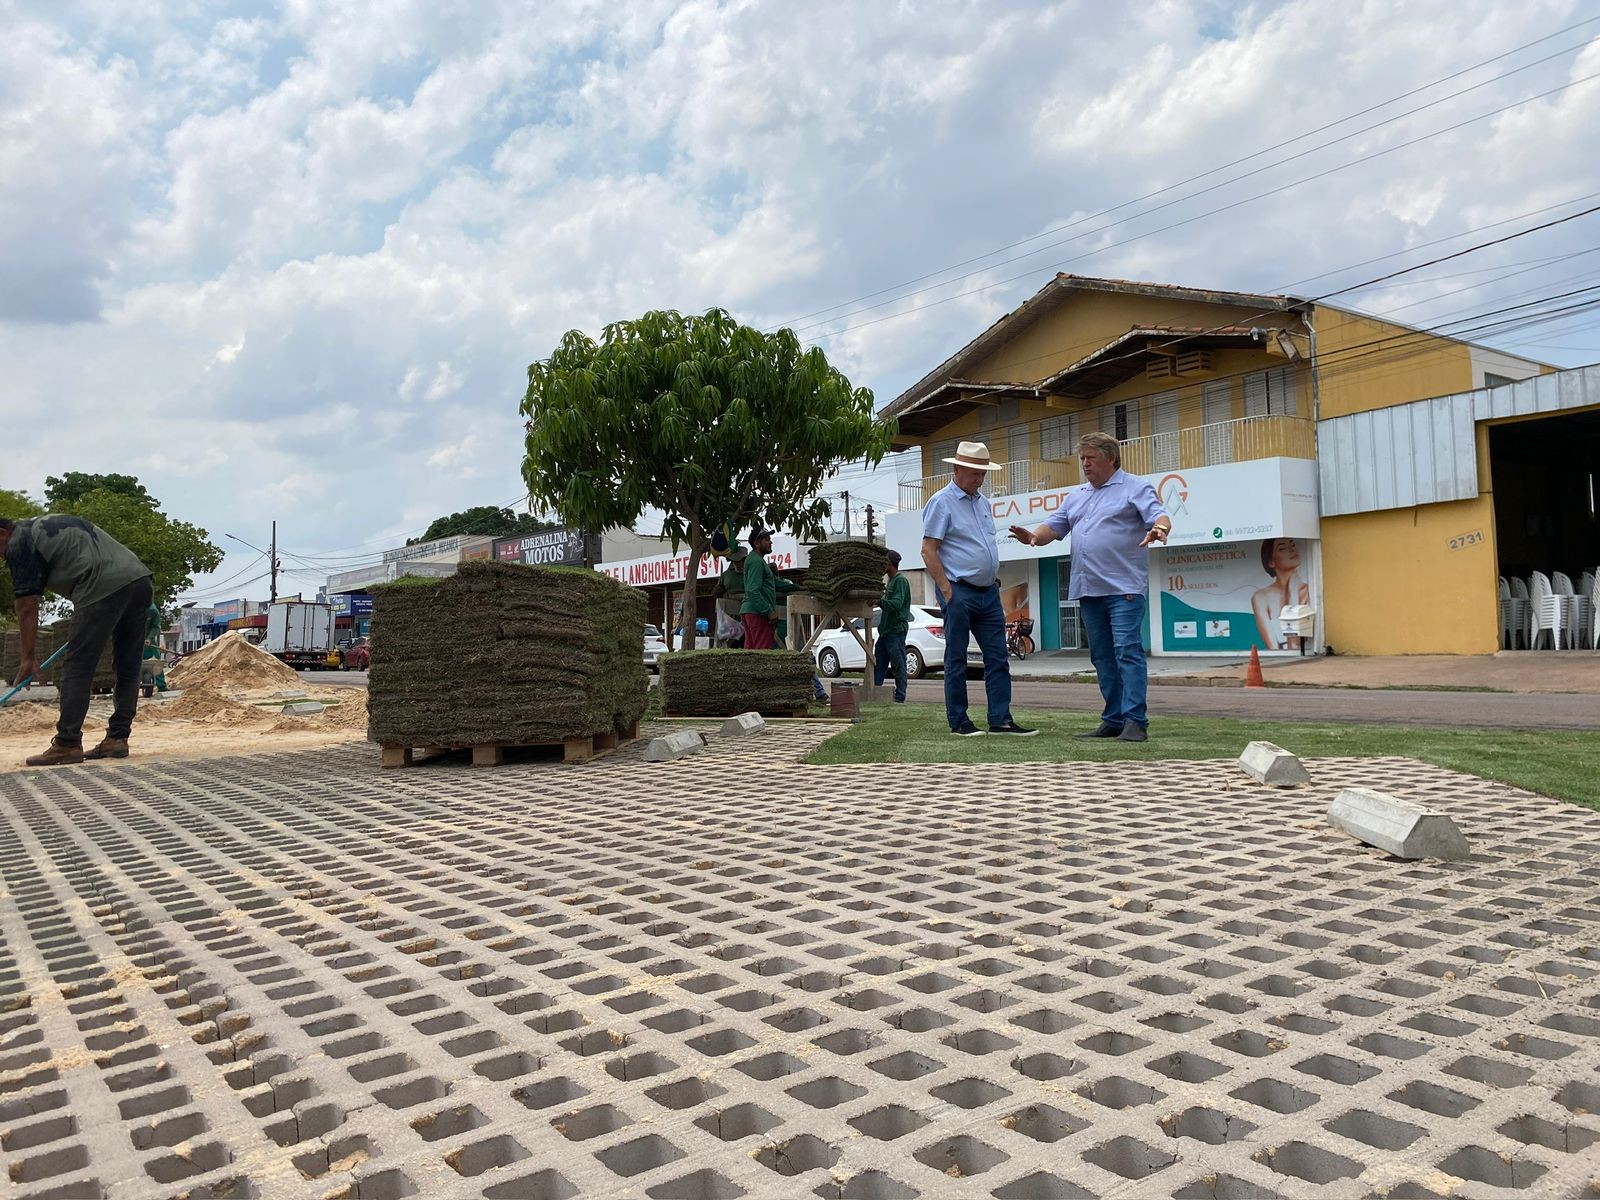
(872, 523)
(273, 559)
(846, 496)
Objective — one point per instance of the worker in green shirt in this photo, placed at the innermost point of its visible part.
(151, 673)
(760, 604)
(890, 648)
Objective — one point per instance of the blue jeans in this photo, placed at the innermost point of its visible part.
(975, 611)
(1113, 625)
(889, 650)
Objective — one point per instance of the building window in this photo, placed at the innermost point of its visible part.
(1058, 438)
(1270, 393)
(1121, 421)
(1492, 380)
(942, 451)
(992, 416)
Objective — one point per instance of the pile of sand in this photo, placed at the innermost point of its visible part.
(201, 707)
(27, 717)
(231, 664)
(350, 714)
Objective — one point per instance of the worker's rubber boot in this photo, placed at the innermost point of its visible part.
(109, 747)
(60, 754)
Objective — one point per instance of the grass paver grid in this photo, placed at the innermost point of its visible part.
(295, 975)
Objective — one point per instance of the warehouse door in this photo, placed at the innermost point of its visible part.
(1546, 476)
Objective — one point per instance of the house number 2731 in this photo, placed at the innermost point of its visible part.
(1466, 539)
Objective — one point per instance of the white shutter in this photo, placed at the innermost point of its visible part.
(1256, 395)
(1165, 454)
(1216, 405)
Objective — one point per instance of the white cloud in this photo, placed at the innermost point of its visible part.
(295, 265)
(457, 457)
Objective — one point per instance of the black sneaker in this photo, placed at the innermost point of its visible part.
(1133, 732)
(1013, 729)
(967, 729)
(1102, 730)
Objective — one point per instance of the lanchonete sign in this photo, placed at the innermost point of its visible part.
(787, 554)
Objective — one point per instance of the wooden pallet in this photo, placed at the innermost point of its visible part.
(573, 749)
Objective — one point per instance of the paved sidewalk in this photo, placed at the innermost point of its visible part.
(1430, 710)
(299, 976)
(1509, 671)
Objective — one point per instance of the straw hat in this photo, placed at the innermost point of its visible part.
(974, 454)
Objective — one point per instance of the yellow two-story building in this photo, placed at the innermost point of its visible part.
(1217, 398)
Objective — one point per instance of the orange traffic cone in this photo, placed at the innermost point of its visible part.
(1252, 677)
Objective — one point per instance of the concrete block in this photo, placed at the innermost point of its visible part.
(302, 708)
(675, 745)
(1272, 765)
(1404, 829)
(743, 724)
(289, 694)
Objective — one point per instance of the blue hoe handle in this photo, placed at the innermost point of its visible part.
(22, 683)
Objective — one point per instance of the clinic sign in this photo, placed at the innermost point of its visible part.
(547, 548)
(1269, 497)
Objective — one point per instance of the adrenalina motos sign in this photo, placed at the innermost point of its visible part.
(547, 548)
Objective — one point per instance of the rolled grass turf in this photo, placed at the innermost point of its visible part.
(722, 683)
(838, 568)
(503, 654)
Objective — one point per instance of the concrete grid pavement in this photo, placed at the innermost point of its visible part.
(299, 976)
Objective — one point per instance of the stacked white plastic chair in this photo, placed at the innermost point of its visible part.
(1579, 608)
(1590, 586)
(1547, 612)
(1513, 617)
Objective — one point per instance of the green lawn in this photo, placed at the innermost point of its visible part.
(1559, 764)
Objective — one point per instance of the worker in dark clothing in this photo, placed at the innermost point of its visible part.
(889, 651)
(111, 591)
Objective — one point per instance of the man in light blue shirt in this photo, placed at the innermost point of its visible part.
(1113, 519)
(963, 559)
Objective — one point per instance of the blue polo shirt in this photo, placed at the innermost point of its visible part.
(1107, 524)
(963, 526)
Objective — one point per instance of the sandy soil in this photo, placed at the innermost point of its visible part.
(212, 716)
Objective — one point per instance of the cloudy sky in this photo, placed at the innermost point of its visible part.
(292, 260)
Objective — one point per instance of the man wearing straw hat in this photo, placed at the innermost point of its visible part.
(963, 559)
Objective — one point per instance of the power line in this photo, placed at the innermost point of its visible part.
(1204, 191)
(1235, 162)
(1376, 154)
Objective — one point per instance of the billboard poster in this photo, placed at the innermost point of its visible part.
(547, 548)
(1226, 597)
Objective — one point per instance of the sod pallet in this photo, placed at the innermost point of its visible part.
(723, 683)
(839, 569)
(50, 639)
(501, 655)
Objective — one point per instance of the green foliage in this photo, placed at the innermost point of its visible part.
(15, 505)
(62, 493)
(485, 520)
(173, 550)
(699, 416)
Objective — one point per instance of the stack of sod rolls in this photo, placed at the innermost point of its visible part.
(502, 654)
(839, 568)
(722, 683)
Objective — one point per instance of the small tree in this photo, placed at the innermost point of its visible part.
(699, 416)
(15, 505)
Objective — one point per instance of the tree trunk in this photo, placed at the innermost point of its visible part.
(691, 585)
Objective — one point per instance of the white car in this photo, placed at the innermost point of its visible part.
(837, 650)
(654, 646)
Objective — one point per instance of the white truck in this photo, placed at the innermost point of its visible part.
(300, 634)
